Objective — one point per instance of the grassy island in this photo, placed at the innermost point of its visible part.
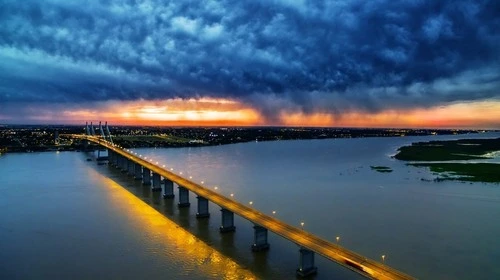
(464, 149)
(442, 152)
(381, 169)
(473, 172)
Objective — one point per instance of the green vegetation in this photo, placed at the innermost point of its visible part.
(381, 169)
(473, 172)
(464, 149)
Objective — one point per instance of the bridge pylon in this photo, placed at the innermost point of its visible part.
(306, 263)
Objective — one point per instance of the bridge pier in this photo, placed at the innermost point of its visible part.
(118, 161)
(137, 171)
(131, 167)
(146, 176)
(110, 157)
(156, 183)
(227, 221)
(260, 239)
(115, 160)
(202, 208)
(183, 197)
(169, 188)
(306, 263)
(124, 164)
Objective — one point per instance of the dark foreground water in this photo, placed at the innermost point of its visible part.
(64, 217)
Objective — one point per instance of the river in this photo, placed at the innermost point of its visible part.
(62, 216)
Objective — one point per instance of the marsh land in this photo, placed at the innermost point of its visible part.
(461, 160)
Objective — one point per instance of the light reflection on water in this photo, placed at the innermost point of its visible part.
(188, 248)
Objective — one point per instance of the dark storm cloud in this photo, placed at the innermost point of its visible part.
(308, 55)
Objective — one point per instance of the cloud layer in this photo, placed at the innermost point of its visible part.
(307, 56)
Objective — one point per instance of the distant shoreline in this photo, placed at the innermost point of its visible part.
(19, 139)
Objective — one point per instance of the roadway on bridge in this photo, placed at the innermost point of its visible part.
(356, 262)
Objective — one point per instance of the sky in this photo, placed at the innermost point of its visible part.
(355, 63)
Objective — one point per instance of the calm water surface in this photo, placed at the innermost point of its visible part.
(62, 216)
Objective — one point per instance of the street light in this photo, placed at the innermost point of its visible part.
(251, 202)
(232, 194)
(338, 238)
(215, 188)
(302, 225)
(274, 212)
(383, 258)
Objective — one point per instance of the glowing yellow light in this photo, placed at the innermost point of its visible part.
(166, 233)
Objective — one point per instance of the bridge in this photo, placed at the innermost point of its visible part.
(151, 174)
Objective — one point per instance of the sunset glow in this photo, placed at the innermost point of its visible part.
(226, 112)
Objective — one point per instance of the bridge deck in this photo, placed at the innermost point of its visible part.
(356, 262)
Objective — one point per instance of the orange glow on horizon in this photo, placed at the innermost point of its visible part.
(225, 112)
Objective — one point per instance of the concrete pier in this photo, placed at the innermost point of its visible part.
(131, 168)
(306, 263)
(119, 162)
(115, 160)
(138, 171)
(202, 208)
(124, 164)
(146, 176)
(183, 197)
(260, 239)
(227, 221)
(156, 182)
(111, 157)
(168, 188)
